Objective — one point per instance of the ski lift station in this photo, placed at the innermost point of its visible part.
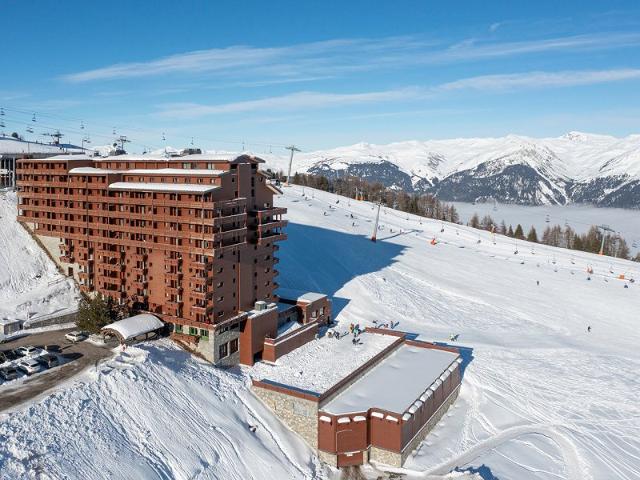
(375, 401)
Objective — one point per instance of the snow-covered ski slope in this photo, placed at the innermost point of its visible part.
(29, 282)
(541, 398)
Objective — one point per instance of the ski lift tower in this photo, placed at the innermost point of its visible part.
(293, 148)
(122, 140)
(55, 137)
(605, 229)
(375, 226)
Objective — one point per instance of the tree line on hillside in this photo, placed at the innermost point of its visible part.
(427, 205)
(557, 236)
(424, 205)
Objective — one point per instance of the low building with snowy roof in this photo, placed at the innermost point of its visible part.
(133, 328)
(373, 400)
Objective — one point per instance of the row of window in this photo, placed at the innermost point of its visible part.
(228, 348)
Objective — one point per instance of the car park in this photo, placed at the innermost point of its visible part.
(48, 361)
(76, 336)
(8, 373)
(29, 366)
(27, 350)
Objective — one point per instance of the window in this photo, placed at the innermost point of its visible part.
(193, 331)
(321, 310)
(177, 328)
(233, 345)
(223, 350)
(204, 333)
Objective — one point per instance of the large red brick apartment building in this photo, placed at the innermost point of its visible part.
(191, 239)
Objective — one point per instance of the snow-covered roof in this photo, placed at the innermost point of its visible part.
(321, 363)
(64, 157)
(395, 383)
(176, 171)
(163, 187)
(212, 157)
(92, 171)
(134, 326)
(300, 295)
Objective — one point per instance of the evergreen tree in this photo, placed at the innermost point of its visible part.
(94, 313)
(532, 236)
(519, 233)
(510, 231)
(475, 221)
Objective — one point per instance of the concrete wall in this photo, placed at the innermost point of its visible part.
(299, 414)
(276, 348)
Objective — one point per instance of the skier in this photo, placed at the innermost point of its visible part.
(589, 329)
(538, 282)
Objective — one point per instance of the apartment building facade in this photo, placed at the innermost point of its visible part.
(191, 239)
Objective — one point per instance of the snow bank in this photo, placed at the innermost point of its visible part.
(152, 412)
(30, 285)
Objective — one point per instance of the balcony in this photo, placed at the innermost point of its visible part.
(199, 295)
(174, 262)
(269, 212)
(221, 236)
(177, 276)
(264, 227)
(274, 237)
(225, 219)
(173, 290)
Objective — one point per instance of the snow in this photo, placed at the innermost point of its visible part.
(132, 327)
(91, 171)
(177, 171)
(14, 146)
(153, 411)
(551, 399)
(163, 187)
(540, 399)
(30, 285)
(394, 383)
(323, 362)
(300, 295)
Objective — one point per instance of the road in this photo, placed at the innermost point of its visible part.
(78, 357)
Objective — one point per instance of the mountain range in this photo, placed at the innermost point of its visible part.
(574, 168)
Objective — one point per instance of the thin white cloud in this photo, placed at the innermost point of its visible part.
(540, 80)
(333, 57)
(293, 101)
(319, 100)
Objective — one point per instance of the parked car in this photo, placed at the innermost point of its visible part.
(76, 336)
(53, 348)
(11, 354)
(29, 366)
(47, 360)
(27, 350)
(3, 358)
(9, 373)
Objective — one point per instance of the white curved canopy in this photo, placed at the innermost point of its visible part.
(133, 326)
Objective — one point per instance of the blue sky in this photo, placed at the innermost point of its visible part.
(318, 74)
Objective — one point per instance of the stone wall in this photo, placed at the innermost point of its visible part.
(299, 414)
(328, 458)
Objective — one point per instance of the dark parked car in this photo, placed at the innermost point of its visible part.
(48, 360)
(53, 348)
(9, 373)
(10, 354)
